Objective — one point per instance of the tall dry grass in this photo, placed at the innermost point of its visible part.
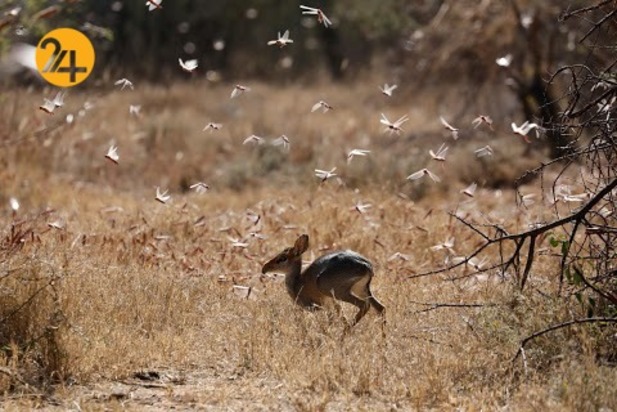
(99, 281)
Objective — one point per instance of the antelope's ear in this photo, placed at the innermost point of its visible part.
(301, 244)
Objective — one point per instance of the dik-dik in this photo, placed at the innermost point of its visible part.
(343, 275)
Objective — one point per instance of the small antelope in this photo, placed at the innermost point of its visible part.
(342, 275)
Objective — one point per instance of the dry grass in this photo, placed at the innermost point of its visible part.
(129, 285)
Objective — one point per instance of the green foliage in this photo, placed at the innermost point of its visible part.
(559, 242)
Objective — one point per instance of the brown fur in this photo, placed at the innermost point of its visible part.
(343, 275)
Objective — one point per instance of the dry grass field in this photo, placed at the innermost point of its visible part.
(111, 300)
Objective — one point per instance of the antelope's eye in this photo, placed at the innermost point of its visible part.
(281, 259)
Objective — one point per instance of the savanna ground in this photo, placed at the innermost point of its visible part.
(111, 300)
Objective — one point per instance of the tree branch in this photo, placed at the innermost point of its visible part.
(519, 238)
(560, 326)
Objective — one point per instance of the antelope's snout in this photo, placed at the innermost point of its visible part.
(265, 268)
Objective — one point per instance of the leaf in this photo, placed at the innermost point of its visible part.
(577, 277)
(566, 272)
(591, 308)
(565, 246)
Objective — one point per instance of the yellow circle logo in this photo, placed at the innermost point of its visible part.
(65, 57)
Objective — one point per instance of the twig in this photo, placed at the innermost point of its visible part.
(606, 295)
(530, 257)
(582, 10)
(591, 104)
(524, 357)
(469, 225)
(434, 306)
(26, 302)
(597, 25)
(430, 340)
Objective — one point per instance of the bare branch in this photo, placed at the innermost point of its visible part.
(520, 238)
(560, 326)
(566, 16)
(598, 25)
